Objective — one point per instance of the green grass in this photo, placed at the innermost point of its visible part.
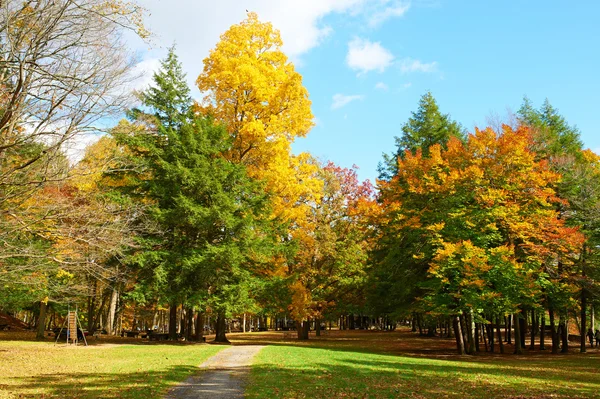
(337, 369)
(45, 370)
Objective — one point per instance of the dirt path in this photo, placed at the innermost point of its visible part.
(222, 375)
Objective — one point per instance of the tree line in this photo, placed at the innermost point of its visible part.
(192, 210)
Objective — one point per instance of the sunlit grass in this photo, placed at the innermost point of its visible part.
(336, 369)
(32, 369)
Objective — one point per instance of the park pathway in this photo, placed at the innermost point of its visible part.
(222, 376)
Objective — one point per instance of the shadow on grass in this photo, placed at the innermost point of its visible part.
(346, 376)
(133, 385)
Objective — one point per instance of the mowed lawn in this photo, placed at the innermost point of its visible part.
(402, 365)
(111, 370)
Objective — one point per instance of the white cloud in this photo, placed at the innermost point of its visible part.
(382, 86)
(341, 100)
(365, 56)
(196, 25)
(396, 9)
(408, 65)
(143, 72)
(406, 85)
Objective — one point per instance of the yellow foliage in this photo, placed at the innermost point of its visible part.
(254, 90)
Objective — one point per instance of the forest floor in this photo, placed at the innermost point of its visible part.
(339, 364)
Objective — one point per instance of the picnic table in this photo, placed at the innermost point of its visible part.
(157, 336)
(131, 334)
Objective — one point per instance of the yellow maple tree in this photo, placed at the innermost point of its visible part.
(252, 88)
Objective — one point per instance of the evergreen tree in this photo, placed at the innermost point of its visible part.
(206, 209)
(559, 143)
(426, 127)
(552, 134)
(169, 99)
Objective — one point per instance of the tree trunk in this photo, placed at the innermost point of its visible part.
(543, 330)
(302, 330)
(463, 327)
(460, 345)
(592, 318)
(41, 327)
(484, 335)
(414, 322)
(523, 328)
(499, 331)
(582, 347)
(489, 329)
(221, 329)
(509, 330)
(318, 327)
(173, 321)
(181, 320)
(533, 330)
(244, 324)
(92, 307)
(190, 324)
(553, 333)
(518, 347)
(477, 333)
(199, 326)
(112, 309)
(564, 334)
(470, 328)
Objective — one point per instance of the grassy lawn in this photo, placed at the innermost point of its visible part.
(394, 365)
(105, 370)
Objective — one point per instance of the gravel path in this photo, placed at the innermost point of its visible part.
(222, 375)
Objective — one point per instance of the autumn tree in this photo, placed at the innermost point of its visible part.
(253, 89)
(330, 264)
(63, 69)
(489, 234)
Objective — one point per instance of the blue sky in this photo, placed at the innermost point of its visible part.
(366, 63)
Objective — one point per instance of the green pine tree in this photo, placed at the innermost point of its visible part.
(426, 127)
(552, 133)
(207, 211)
(169, 98)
